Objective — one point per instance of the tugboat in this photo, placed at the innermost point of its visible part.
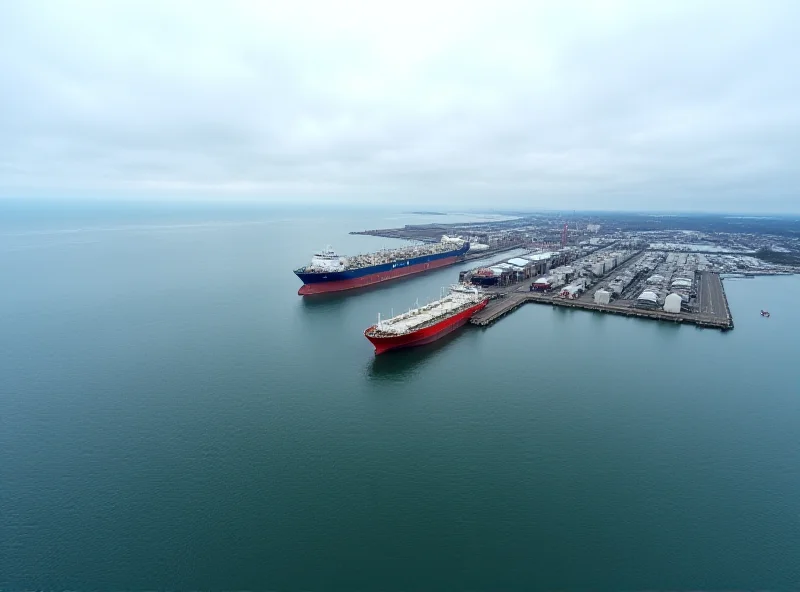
(765, 313)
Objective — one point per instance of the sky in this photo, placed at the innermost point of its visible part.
(645, 105)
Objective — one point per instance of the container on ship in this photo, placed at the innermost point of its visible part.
(427, 323)
(329, 272)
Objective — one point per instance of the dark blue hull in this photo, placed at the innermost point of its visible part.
(319, 282)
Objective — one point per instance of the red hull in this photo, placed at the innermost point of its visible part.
(426, 335)
(375, 278)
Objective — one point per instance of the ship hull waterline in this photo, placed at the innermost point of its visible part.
(423, 336)
(374, 278)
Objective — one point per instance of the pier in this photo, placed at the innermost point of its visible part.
(712, 311)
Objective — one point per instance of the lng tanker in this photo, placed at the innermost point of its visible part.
(427, 323)
(329, 272)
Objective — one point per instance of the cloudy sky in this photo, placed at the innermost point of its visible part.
(603, 105)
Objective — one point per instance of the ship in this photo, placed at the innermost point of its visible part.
(329, 272)
(427, 323)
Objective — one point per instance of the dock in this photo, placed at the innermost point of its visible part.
(713, 311)
(498, 307)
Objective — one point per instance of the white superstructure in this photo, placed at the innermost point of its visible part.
(459, 299)
(328, 260)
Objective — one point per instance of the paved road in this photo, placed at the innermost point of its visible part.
(710, 296)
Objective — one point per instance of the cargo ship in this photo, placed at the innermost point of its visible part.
(427, 323)
(329, 272)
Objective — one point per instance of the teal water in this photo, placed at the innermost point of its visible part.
(174, 416)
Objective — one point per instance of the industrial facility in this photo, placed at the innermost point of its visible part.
(613, 278)
(643, 266)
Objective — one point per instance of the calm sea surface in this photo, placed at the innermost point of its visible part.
(174, 416)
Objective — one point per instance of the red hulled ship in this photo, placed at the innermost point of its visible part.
(427, 323)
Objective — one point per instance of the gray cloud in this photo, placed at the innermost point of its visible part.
(519, 104)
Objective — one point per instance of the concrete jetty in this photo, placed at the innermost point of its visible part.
(713, 311)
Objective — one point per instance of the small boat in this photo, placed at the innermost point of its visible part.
(765, 313)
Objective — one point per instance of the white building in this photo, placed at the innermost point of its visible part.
(672, 303)
(602, 297)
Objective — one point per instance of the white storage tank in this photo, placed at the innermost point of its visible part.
(602, 297)
(672, 303)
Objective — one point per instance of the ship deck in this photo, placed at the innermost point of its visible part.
(402, 254)
(424, 316)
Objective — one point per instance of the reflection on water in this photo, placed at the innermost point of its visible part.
(323, 301)
(400, 364)
(326, 299)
